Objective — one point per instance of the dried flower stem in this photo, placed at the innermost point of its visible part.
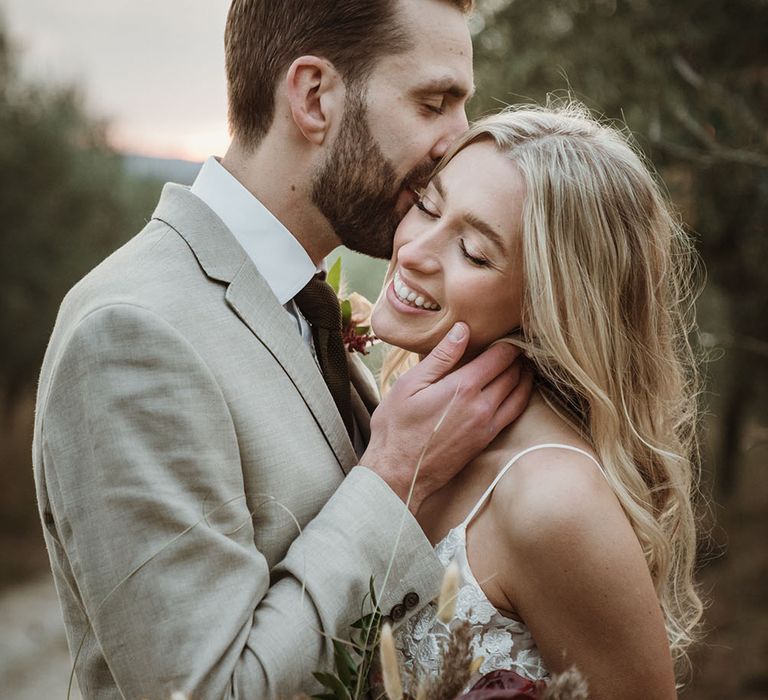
(568, 685)
(477, 662)
(393, 685)
(446, 604)
(457, 658)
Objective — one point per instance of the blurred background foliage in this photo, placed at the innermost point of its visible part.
(65, 203)
(690, 80)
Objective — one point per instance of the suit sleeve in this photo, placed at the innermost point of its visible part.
(145, 483)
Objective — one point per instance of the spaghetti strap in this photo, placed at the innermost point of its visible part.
(514, 459)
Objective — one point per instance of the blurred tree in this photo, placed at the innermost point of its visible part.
(64, 205)
(690, 79)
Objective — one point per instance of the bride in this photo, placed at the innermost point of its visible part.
(574, 531)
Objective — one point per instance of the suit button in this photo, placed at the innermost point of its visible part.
(397, 613)
(411, 600)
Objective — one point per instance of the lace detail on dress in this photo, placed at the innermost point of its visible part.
(503, 642)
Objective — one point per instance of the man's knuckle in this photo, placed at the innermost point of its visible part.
(441, 355)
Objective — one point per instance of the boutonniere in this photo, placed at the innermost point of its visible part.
(355, 313)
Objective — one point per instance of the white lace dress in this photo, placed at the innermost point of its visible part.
(504, 643)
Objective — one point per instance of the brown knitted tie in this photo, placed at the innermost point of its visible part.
(318, 302)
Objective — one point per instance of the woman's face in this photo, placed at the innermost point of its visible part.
(457, 256)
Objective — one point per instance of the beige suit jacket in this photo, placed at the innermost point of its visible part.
(207, 526)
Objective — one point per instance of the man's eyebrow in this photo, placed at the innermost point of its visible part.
(475, 221)
(446, 85)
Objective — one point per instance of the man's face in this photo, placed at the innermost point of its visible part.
(392, 135)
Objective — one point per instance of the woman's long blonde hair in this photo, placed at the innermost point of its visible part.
(607, 313)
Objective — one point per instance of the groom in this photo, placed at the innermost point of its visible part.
(209, 523)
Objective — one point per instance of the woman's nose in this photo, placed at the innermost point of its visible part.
(420, 252)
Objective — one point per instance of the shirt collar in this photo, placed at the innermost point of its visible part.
(279, 257)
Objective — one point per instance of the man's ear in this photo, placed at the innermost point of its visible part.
(315, 93)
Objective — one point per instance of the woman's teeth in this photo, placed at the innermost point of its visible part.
(412, 298)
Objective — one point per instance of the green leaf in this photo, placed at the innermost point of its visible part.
(353, 662)
(362, 330)
(364, 622)
(333, 683)
(363, 605)
(345, 664)
(334, 275)
(346, 312)
(369, 634)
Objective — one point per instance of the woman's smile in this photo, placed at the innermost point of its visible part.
(411, 295)
(403, 306)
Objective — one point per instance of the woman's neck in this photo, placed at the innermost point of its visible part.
(539, 423)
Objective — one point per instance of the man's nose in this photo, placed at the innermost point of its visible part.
(455, 127)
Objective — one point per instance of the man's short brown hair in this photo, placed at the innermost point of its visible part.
(263, 37)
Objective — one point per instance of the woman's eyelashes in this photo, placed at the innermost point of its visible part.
(426, 207)
(474, 259)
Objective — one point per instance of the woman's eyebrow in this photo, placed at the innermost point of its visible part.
(487, 230)
(475, 221)
(438, 183)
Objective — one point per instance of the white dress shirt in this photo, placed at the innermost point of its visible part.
(279, 257)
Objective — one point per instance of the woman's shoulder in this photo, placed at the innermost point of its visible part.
(555, 494)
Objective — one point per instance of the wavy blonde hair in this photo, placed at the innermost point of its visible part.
(607, 311)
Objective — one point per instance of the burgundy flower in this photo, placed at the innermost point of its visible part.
(505, 685)
(356, 341)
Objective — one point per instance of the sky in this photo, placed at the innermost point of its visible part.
(153, 68)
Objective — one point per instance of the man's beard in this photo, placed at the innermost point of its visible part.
(357, 188)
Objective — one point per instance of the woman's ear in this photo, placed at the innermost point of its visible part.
(315, 94)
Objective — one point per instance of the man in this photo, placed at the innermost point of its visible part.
(208, 527)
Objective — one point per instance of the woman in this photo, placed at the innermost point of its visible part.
(574, 531)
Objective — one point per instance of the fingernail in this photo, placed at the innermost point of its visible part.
(457, 332)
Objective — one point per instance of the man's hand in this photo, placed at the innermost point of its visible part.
(476, 402)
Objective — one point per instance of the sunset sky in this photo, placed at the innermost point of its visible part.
(153, 68)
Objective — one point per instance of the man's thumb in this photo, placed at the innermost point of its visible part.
(444, 356)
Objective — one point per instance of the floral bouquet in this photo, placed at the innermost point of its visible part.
(361, 672)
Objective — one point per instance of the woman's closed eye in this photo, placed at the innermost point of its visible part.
(475, 259)
(427, 207)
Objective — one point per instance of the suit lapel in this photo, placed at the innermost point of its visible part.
(365, 394)
(252, 300)
(249, 296)
(364, 382)
(361, 415)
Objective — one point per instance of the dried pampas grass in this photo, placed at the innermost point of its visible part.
(569, 685)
